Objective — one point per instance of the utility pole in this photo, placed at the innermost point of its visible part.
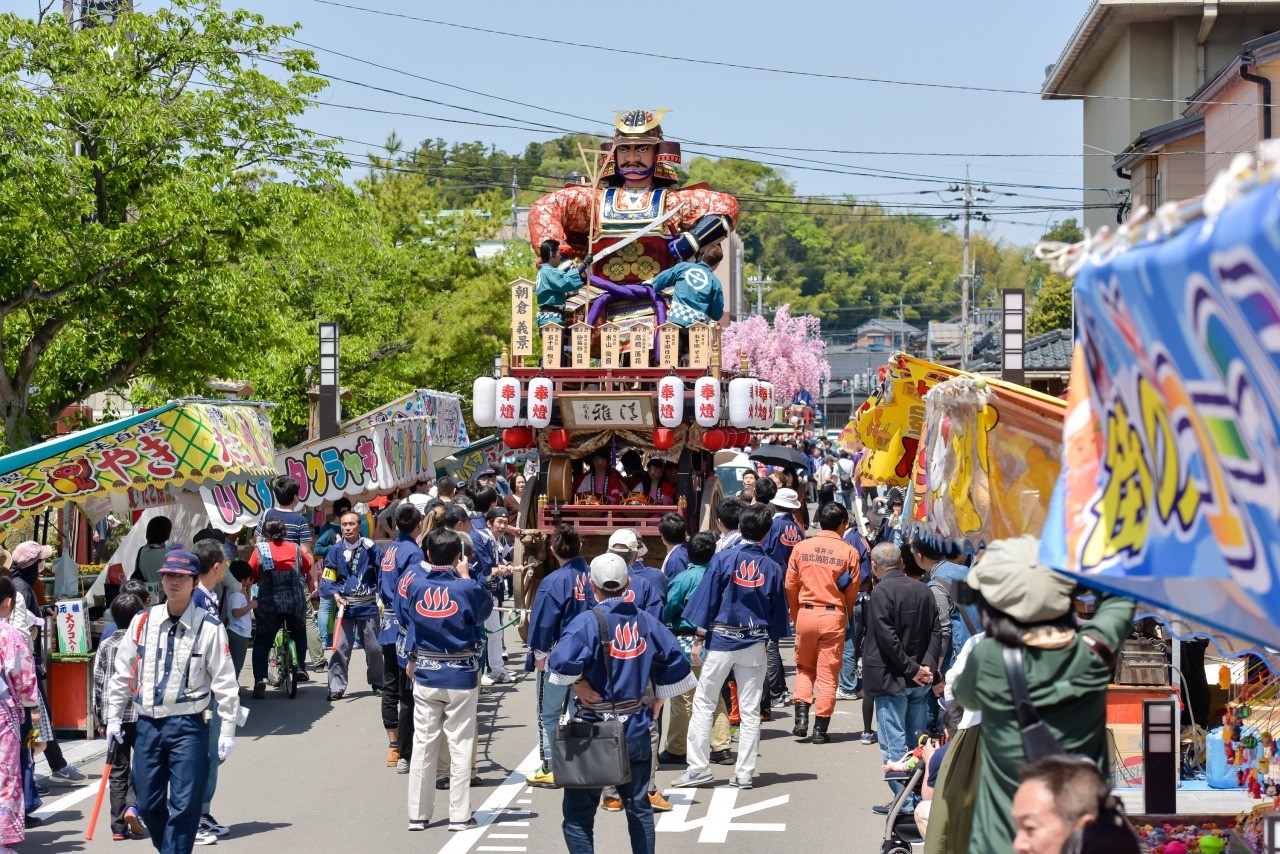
(970, 198)
(759, 282)
(902, 324)
(515, 189)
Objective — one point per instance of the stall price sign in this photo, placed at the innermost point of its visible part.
(610, 345)
(607, 411)
(552, 344)
(523, 309)
(581, 344)
(641, 345)
(699, 345)
(668, 345)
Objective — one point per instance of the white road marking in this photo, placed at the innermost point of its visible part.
(494, 806)
(721, 812)
(67, 801)
(500, 848)
(524, 801)
(508, 836)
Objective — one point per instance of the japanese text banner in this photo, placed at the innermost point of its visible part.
(179, 443)
(1171, 483)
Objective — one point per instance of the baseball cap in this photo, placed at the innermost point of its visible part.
(180, 562)
(786, 498)
(1011, 579)
(496, 513)
(627, 540)
(609, 572)
(29, 552)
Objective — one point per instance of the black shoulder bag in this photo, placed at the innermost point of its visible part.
(592, 754)
(1037, 741)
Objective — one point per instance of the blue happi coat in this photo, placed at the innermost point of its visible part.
(694, 287)
(741, 601)
(443, 618)
(784, 535)
(562, 596)
(642, 651)
(396, 558)
(352, 570)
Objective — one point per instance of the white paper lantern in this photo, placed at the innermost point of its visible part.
(670, 401)
(508, 402)
(541, 394)
(742, 397)
(484, 400)
(706, 401)
(765, 397)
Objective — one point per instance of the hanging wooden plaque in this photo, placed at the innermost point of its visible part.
(581, 344)
(523, 312)
(668, 345)
(552, 345)
(699, 345)
(610, 345)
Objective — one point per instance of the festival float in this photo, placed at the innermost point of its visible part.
(615, 353)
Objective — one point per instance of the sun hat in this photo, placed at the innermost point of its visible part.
(786, 498)
(1011, 579)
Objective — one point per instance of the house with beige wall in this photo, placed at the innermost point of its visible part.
(1159, 52)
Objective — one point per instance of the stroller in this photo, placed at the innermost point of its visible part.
(900, 831)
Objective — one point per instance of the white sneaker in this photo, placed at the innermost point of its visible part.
(740, 782)
(486, 680)
(204, 837)
(504, 677)
(417, 825)
(690, 779)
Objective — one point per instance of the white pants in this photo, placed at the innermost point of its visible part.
(441, 714)
(748, 666)
(493, 646)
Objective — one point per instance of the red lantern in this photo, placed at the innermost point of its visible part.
(664, 438)
(558, 439)
(737, 438)
(517, 438)
(714, 440)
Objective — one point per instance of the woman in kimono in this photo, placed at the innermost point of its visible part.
(17, 694)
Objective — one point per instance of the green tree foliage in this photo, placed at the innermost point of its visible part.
(126, 207)
(1051, 293)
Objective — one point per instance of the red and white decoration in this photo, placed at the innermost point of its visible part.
(541, 394)
(706, 401)
(670, 401)
(508, 402)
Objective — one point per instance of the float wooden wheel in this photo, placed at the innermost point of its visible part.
(712, 495)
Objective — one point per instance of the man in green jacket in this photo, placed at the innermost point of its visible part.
(701, 549)
(1068, 668)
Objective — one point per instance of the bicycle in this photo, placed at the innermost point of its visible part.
(282, 664)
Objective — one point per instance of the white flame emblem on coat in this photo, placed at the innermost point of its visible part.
(748, 574)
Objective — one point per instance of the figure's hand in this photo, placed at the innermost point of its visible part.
(115, 731)
(924, 676)
(682, 247)
(539, 663)
(226, 744)
(463, 568)
(584, 692)
(409, 668)
(339, 601)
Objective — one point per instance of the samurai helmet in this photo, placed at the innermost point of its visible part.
(639, 127)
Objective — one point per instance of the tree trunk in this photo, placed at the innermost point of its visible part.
(16, 416)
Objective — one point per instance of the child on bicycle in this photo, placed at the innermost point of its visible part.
(172, 662)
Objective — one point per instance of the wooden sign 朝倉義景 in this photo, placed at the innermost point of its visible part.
(523, 312)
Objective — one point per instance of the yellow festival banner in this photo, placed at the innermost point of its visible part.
(891, 420)
(188, 441)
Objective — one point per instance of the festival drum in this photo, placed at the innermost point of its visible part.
(588, 499)
(636, 499)
(559, 479)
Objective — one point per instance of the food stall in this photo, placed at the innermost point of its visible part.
(189, 442)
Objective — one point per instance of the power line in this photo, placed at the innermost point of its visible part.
(761, 68)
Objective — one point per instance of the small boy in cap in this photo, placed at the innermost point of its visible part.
(173, 660)
(696, 294)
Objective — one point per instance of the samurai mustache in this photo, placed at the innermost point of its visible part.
(631, 169)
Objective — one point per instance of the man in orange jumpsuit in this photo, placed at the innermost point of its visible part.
(822, 587)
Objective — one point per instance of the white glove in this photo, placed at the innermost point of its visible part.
(226, 744)
(115, 732)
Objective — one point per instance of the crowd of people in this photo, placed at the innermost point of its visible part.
(684, 654)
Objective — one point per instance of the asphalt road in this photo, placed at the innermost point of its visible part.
(311, 775)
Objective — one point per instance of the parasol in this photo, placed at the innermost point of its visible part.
(783, 456)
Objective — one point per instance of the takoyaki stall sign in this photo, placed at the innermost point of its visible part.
(605, 411)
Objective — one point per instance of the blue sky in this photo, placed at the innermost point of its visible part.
(996, 43)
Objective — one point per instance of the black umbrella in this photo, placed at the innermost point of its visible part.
(779, 455)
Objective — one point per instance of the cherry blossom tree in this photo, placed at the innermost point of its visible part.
(791, 355)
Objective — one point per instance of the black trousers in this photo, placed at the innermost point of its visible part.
(122, 794)
(397, 700)
(775, 678)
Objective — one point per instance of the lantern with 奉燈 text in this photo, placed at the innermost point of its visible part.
(706, 401)
(540, 398)
(742, 397)
(508, 402)
(766, 404)
(670, 401)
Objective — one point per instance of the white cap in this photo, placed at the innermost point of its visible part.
(627, 540)
(786, 498)
(609, 573)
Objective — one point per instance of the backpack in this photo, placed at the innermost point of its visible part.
(846, 475)
(964, 618)
(280, 592)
